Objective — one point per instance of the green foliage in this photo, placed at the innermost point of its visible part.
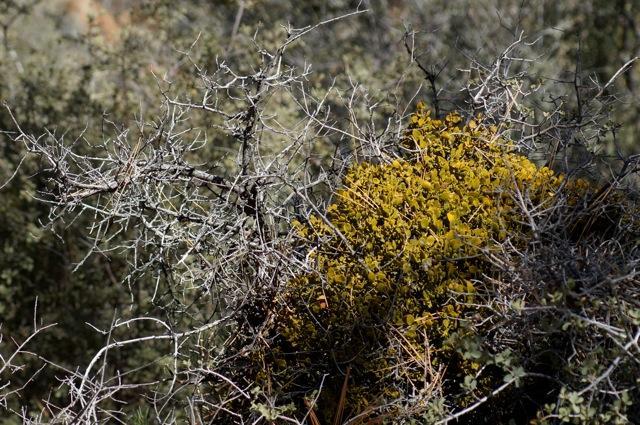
(400, 252)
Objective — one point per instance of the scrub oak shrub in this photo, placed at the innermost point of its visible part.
(577, 317)
(397, 260)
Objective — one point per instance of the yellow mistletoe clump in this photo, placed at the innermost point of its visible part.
(399, 251)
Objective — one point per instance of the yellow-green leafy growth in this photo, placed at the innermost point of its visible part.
(401, 247)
